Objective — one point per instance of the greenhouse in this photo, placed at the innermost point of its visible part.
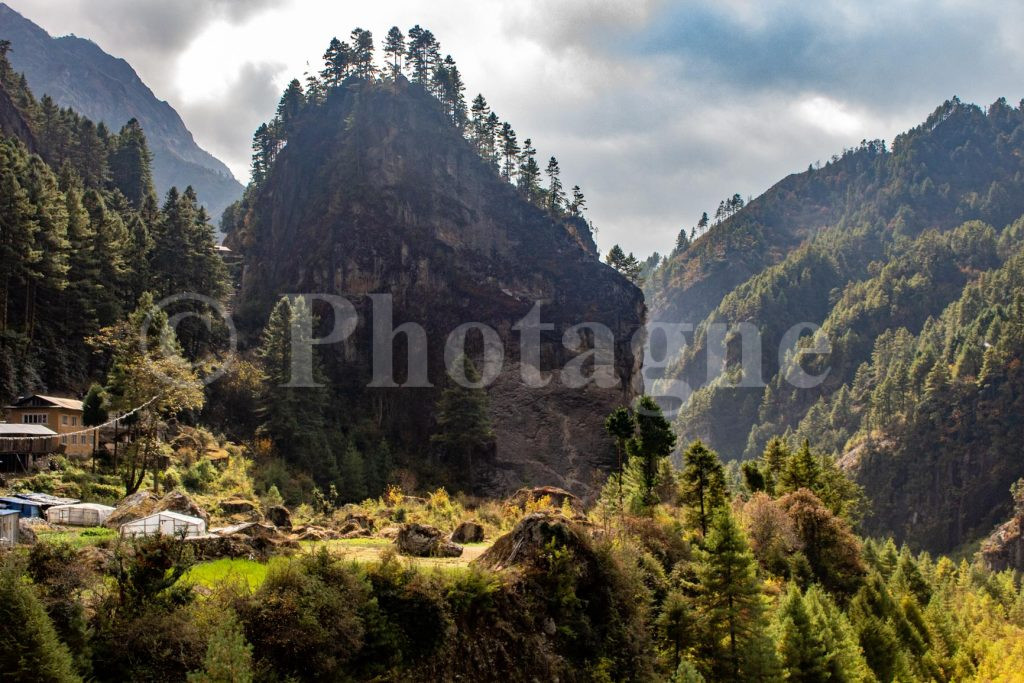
(165, 523)
(80, 514)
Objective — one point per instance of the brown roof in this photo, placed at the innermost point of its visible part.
(68, 403)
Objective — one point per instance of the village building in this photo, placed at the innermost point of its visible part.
(62, 415)
(24, 446)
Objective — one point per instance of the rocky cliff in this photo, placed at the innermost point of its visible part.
(376, 192)
(76, 73)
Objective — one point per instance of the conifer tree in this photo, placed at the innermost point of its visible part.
(337, 63)
(801, 649)
(510, 150)
(703, 489)
(394, 51)
(130, 161)
(650, 445)
(32, 651)
(730, 607)
(528, 177)
(362, 54)
(352, 472)
(802, 470)
(578, 203)
(293, 416)
(290, 107)
(228, 655)
(555, 194)
(463, 421)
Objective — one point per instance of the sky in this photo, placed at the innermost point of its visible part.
(656, 109)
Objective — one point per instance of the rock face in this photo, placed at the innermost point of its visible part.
(76, 73)
(421, 540)
(1004, 549)
(376, 192)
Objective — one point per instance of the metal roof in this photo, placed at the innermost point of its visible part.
(84, 506)
(46, 499)
(11, 500)
(15, 430)
(169, 513)
(58, 401)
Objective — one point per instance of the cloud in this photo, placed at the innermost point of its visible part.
(657, 108)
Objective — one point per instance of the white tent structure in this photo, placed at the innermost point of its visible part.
(79, 514)
(166, 523)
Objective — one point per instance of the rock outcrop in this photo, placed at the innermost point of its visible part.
(421, 540)
(468, 532)
(376, 192)
(526, 544)
(143, 503)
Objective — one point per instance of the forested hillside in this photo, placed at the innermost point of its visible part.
(873, 247)
(83, 237)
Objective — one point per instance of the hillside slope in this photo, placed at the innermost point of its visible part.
(76, 73)
(377, 192)
(877, 241)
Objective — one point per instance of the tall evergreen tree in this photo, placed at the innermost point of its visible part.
(801, 648)
(652, 443)
(528, 177)
(555, 193)
(394, 51)
(703, 489)
(130, 161)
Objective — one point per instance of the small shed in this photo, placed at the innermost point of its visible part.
(8, 528)
(165, 523)
(26, 508)
(79, 514)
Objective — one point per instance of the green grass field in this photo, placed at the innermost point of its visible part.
(77, 537)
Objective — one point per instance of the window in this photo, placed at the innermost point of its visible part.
(63, 419)
(74, 421)
(74, 438)
(64, 439)
(33, 418)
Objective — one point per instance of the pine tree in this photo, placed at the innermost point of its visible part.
(290, 107)
(94, 413)
(293, 416)
(510, 150)
(578, 203)
(463, 421)
(730, 607)
(130, 161)
(352, 472)
(801, 649)
(394, 51)
(802, 470)
(555, 194)
(228, 655)
(337, 63)
(621, 426)
(362, 54)
(32, 651)
(528, 177)
(651, 444)
(703, 489)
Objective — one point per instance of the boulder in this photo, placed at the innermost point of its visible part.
(279, 516)
(26, 532)
(526, 545)
(362, 521)
(468, 532)
(238, 506)
(390, 532)
(421, 540)
(178, 501)
(557, 496)
(314, 533)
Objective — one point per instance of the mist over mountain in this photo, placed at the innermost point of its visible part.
(78, 74)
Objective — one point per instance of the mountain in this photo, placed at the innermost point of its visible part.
(878, 247)
(76, 73)
(376, 191)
